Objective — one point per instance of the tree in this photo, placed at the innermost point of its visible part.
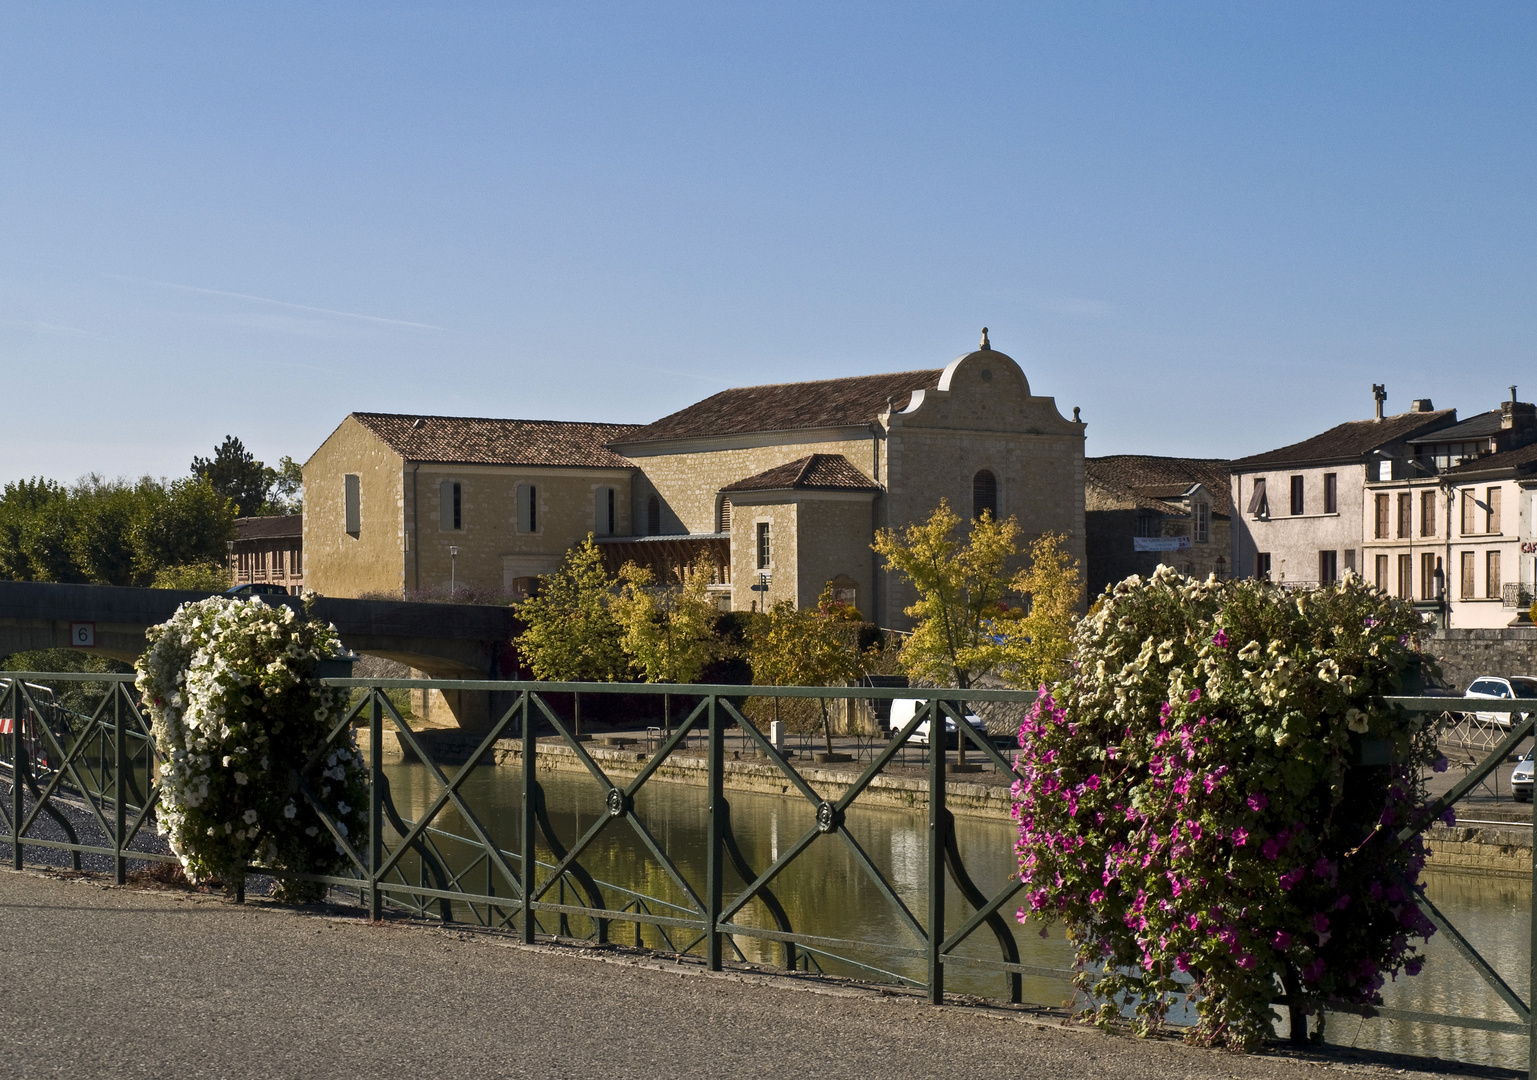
(184, 522)
(235, 474)
(668, 633)
(572, 634)
(285, 488)
(208, 576)
(962, 586)
(1039, 641)
(806, 648)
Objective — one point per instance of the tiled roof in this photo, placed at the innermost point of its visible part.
(817, 472)
(1158, 478)
(1523, 461)
(269, 527)
(1474, 427)
(1350, 440)
(472, 440)
(789, 406)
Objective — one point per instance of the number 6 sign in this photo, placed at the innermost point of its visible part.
(82, 635)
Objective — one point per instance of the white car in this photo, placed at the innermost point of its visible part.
(903, 710)
(1521, 779)
(1499, 687)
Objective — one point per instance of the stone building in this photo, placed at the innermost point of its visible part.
(1144, 512)
(268, 550)
(780, 487)
(1300, 509)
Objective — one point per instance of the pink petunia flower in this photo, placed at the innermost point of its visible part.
(1282, 940)
(1195, 695)
(1258, 800)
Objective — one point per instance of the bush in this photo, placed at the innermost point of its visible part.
(238, 711)
(1195, 812)
(209, 574)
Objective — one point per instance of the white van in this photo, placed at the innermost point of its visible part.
(903, 710)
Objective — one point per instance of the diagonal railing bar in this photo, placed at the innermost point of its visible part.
(68, 764)
(450, 792)
(882, 884)
(587, 882)
(325, 819)
(1428, 816)
(973, 896)
(745, 896)
(433, 863)
(665, 750)
(336, 729)
(999, 898)
(773, 754)
(984, 744)
(571, 856)
(770, 901)
(42, 796)
(893, 747)
(575, 744)
(662, 857)
(1465, 948)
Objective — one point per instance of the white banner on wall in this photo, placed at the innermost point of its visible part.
(1160, 543)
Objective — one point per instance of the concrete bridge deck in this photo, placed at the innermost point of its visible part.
(126, 983)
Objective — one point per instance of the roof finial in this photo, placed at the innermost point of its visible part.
(984, 347)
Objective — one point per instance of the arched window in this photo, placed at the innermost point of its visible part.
(725, 516)
(984, 494)
(653, 516)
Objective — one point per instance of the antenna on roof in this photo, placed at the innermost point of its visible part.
(984, 347)
(417, 422)
(1380, 392)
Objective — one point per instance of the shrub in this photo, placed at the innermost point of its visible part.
(238, 712)
(1196, 813)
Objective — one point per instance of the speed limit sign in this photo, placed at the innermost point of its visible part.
(82, 635)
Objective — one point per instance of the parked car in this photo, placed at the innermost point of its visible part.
(1500, 687)
(1521, 778)
(903, 710)
(255, 588)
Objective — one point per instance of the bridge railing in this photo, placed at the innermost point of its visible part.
(95, 769)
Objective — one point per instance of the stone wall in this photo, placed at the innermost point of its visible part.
(338, 563)
(1467, 654)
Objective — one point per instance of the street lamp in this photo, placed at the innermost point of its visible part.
(229, 554)
(453, 568)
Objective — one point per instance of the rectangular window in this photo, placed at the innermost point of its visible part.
(763, 545)
(1469, 588)
(1383, 510)
(1469, 508)
(1405, 516)
(1427, 513)
(1350, 560)
(1202, 523)
(603, 511)
(296, 559)
(1297, 503)
(1492, 581)
(353, 499)
(1331, 493)
(1262, 565)
(528, 508)
(1382, 573)
(1428, 576)
(1259, 504)
(1492, 521)
(450, 506)
(1406, 577)
(1328, 567)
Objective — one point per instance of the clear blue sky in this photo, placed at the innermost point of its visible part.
(1211, 226)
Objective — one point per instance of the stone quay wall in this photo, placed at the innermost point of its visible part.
(1467, 654)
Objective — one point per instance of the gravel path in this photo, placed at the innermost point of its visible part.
(127, 983)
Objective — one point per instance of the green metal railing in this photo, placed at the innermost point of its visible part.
(101, 765)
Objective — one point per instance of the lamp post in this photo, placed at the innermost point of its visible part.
(229, 554)
(453, 569)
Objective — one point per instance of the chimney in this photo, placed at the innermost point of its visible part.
(1421, 404)
(1380, 392)
(1519, 417)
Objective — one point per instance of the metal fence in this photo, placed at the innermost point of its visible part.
(89, 763)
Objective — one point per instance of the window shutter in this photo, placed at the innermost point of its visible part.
(984, 494)
(353, 499)
(446, 505)
(526, 514)
(725, 516)
(653, 516)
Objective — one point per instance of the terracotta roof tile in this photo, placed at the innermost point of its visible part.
(269, 526)
(816, 472)
(1143, 477)
(789, 406)
(470, 440)
(1352, 439)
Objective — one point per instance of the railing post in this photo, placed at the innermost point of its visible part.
(375, 804)
(937, 839)
(526, 844)
(16, 777)
(713, 868)
(119, 786)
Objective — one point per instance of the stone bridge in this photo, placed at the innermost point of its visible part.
(440, 641)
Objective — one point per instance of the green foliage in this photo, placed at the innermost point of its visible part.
(79, 696)
(212, 576)
(109, 532)
(572, 634)
(1037, 639)
(668, 633)
(1195, 808)
(234, 473)
(806, 648)
(961, 586)
(285, 488)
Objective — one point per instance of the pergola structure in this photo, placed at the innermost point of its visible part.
(670, 558)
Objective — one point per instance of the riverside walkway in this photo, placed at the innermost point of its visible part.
(122, 983)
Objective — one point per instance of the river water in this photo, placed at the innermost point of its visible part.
(827, 892)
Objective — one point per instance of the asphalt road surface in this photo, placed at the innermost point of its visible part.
(99, 981)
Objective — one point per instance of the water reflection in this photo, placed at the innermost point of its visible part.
(826, 891)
